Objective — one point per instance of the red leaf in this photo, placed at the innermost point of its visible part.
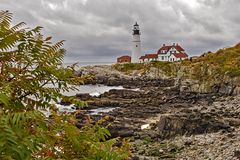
(48, 38)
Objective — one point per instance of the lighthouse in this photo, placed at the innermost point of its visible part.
(136, 44)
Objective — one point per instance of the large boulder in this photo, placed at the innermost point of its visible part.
(129, 94)
(189, 124)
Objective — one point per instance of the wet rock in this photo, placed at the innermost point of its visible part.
(189, 123)
(119, 131)
(205, 123)
(84, 97)
(226, 88)
(122, 94)
(135, 158)
(65, 103)
(237, 154)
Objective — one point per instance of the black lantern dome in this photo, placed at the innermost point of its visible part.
(136, 30)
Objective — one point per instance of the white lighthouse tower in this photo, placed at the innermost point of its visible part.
(136, 44)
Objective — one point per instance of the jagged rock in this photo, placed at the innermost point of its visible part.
(189, 124)
(83, 96)
(200, 118)
(119, 131)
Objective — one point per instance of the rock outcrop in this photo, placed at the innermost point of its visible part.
(108, 75)
(170, 117)
(190, 123)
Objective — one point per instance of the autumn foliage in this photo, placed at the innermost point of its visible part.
(29, 64)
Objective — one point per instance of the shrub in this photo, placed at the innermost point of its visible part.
(29, 62)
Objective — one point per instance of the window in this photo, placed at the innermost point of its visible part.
(162, 57)
(136, 45)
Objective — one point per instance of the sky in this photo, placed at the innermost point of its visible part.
(101, 30)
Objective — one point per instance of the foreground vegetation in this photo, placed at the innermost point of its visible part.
(29, 63)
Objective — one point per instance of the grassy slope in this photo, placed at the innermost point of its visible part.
(210, 67)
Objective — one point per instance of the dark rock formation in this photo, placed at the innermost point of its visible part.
(157, 97)
(189, 124)
(173, 110)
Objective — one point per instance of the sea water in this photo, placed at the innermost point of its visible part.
(92, 90)
(84, 64)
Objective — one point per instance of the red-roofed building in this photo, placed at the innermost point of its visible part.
(124, 59)
(142, 58)
(178, 57)
(171, 53)
(149, 57)
(238, 46)
(168, 53)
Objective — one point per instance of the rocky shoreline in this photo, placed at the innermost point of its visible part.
(165, 121)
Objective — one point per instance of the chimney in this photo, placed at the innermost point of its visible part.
(177, 44)
(173, 44)
(164, 45)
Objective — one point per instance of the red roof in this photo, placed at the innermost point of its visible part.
(167, 48)
(125, 58)
(142, 57)
(180, 55)
(237, 46)
(151, 55)
(179, 48)
(164, 48)
(147, 56)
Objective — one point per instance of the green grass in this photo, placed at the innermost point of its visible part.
(166, 67)
(208, 68)
(128, 67)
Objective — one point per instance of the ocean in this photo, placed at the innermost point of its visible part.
(93, 90)
(82, 64)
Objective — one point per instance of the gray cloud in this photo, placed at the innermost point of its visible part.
(100, 30)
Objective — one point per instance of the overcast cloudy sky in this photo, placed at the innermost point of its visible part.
(100, 30)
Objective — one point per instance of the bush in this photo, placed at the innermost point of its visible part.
(28, 63)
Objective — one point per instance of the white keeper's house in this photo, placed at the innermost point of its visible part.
(167, 53)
